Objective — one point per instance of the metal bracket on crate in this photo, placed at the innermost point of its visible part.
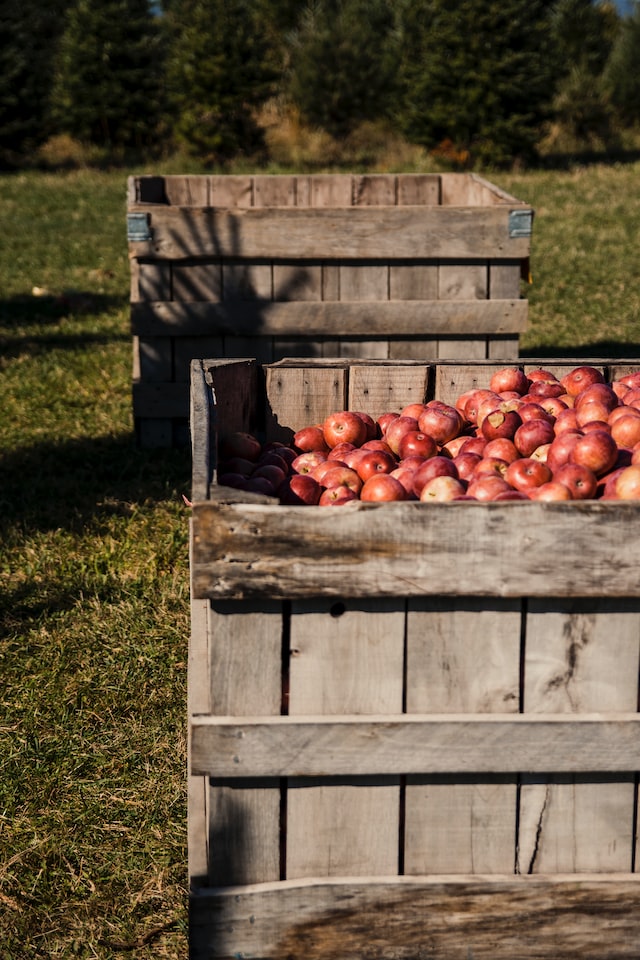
(138, 227)
(520, 223)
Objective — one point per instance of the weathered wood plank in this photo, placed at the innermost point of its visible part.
(231, 747)
(245, 675)
(415, 549)
(496, 918)
(373, 232)
(344, 657)
(328, 318)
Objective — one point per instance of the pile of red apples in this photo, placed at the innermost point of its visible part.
(524, 437)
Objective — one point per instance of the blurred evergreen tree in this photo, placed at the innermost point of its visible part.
(477, 77)
(621, 76)
(108, 79)
(29, 33)
(343, 63)
(220, 69)
(583, 33)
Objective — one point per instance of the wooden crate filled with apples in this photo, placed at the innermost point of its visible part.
(414, 720)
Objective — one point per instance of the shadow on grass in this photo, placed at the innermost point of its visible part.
(600, 350)
(585, 158)
(49, 308)
(78, 486)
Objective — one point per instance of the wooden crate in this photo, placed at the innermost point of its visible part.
(384, 266)
(413, 729)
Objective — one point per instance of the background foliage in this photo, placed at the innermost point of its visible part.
(475, 82)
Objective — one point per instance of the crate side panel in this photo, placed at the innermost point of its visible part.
(230, 191)
(504, 280)
(467, 348)
(463, 281)
(245, 669)
(421, 190)
(196, 281)
(374, 190)
(378, 390)
(413, 280)
(298, 397)
(580, 656)
(463, 655)
(555, 918)
(274, 191)
(364, 281)
(154, 281)
(345, 658)
(297, 281)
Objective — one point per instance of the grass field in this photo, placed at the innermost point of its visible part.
(94, 569)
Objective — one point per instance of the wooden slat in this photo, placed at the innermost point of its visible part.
(160, 400)
(463, 655)
(299, 397)
(344, 657)
(231, 747)
(245, 674)
(372, 232)
(376, 390)
(497, 918)
(387, 318)
(414, 549)
(580, 656)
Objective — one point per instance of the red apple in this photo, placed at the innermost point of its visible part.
(561, 447)
(500, 424)
(305, 462)
(465, 464)
(300, 489)
(512, 495)
(310, 438)
(474, 399)
(597, 392)
(341, 450)
(238, 465)
(502, 448)
(238, 443)
(532, 434)
(375, 461)
(453, 447)
(412, 410)
(627, 485)
(526, 472)
(325, 466)
(442, 488)
(405, 475)
(442, 422)
(487, 488)
(376, 445)
(397, 429)
(579, 378)
(473, 445)
(275, 475)
(565, 420)
(416, 443)
(631, 380)
(382, 487)
(344, 426)
(490, 466)
(370, 424)
(337, 496)
(541, 374)
(433, 467)
(626, 430)
(581, 481)
(342, 476)
(261, 485)
(511, 379)
(532, 410)
(545, 389)
(553, 490)
(385, 419)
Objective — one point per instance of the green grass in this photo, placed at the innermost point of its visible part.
(94, 615)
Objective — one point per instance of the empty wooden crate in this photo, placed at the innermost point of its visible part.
(384, 266)
(413, 728)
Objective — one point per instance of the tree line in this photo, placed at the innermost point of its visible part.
(477, 81)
